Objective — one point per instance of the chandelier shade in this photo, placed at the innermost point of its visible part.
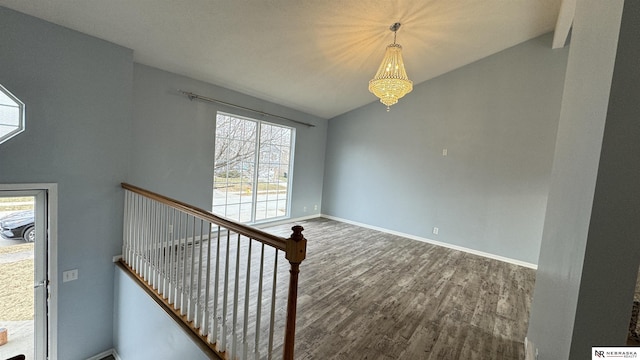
(391, 82)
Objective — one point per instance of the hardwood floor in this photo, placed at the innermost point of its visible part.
(364, 294)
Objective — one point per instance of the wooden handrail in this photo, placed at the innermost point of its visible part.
(294, 248)
(277, 242)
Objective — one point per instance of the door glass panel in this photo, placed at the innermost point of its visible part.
(18, 237)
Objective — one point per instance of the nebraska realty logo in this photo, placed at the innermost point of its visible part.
(615, 352)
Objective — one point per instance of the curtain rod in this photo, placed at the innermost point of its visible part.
(193, 96)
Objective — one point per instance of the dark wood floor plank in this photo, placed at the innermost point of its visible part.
(371, 295)
(365, 294)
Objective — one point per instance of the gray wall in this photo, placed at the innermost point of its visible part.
(498, 119)
(145, 331)
(590, 251)
(77, 91)
(173, 146)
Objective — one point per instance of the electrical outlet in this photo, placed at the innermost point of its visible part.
(304, 209)
(444, 152)
(70, 275)
(315, 207)
(435, 230)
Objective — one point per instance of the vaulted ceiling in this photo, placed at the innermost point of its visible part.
(314, 56)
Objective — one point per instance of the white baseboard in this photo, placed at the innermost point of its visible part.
(392, 232)
(438, 243)
(104, 354)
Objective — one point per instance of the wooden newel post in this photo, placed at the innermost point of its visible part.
(296, 251)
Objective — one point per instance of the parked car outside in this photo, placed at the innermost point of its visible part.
(19, 225)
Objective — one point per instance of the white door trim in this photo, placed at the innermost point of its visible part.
(51, 190)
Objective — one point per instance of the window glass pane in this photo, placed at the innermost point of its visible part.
(219, 209)
(261, 210)
(11, 115)
(232, 211)
(251, 168)
(6, 100)
(245, 212)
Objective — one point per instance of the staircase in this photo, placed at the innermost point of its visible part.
(224, 282)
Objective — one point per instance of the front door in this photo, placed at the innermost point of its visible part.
(24, 273)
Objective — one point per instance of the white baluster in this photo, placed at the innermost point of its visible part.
(163, 251)
(246, 302)
(172, 257)
(145, 238)
(157, 246)
(183, 301)
(259, 304)
(234, 347)
(198, 309)
(273, 303)
(207, 285)
(126, 225)
(139, 236)
(215, 288)
(152, 244)
(225, 295)
(190, 302)
(180, 250)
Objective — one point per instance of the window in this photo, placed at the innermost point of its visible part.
(252, 169)
(11, 115)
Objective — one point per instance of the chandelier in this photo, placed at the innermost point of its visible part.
(391, 81)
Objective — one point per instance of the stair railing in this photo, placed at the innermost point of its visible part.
(205, 268)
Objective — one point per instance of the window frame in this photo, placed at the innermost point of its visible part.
(21, 116)
(255, 178)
